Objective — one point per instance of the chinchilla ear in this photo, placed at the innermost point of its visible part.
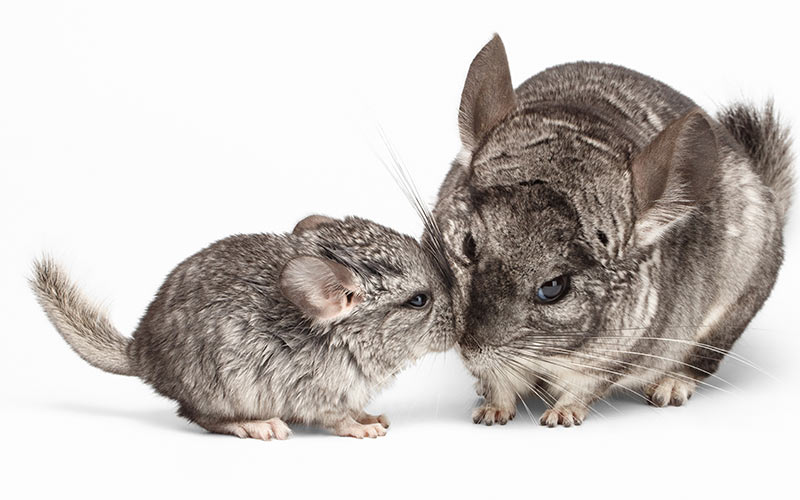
(322, 289)
(488, 95)
(671, 175)
(311, 222)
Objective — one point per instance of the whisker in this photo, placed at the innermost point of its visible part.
(612, 372)
(533, 355)
(655, 356)
(632, 329)
(518, 396)
(611, 383)
(540, 393)
(663, 372)
(608, 341)
(527, 410)
(730, 354)
(559, 386)
(671, 360)
(433, 241)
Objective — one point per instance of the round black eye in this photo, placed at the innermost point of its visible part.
(552, 290)
(469, 248)
(418, 300)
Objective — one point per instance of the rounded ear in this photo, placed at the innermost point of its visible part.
(671, 175)
(322, 289)
(488, 95)
(311, 222)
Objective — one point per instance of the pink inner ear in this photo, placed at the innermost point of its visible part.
(320, 288)
(330, 310)
(337, 303)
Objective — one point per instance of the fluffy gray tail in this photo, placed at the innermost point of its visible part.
(83, 325)
(767, 142)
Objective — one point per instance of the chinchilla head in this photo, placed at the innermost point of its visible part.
(372, 289)
(552, 218)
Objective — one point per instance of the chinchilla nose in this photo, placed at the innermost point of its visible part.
(491, 290)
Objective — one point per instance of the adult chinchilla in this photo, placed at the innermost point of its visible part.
(259, 330)
(605, 232)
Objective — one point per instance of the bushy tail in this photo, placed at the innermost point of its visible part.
(767, 142)
(83, 325)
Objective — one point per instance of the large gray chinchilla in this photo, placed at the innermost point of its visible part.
(605, 232)
(259, 330)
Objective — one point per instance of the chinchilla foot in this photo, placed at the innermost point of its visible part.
(490, 415)
(670, 391)
(266, 430)
(566, 416)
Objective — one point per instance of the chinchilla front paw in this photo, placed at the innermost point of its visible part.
(488, 414)
(670, 391)
(567, 415)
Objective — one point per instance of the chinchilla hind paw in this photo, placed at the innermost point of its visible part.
(351, 428)
(366, 418)
(670, 391)
(266, 430)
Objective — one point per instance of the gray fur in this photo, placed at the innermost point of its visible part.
(223, 340)
(84, 326)
(768, 143)
(668, 223)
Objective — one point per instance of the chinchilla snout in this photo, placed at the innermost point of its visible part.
(488, 297)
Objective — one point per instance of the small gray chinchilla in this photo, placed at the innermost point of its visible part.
(605, 233)
(259, 330)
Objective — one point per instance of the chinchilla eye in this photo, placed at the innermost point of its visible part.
(469, 248)
(418, 301)
(552, 290)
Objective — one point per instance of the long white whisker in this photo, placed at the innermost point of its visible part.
(635, 365)
(542, 394)
(663, 358)
(578, 399)
(643, 367)
(518, 395)
(727, 353)
(610, 382)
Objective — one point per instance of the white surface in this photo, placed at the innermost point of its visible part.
(131, 136)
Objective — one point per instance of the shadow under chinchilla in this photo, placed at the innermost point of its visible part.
(165, 418)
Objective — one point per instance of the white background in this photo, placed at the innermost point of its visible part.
(134, 133)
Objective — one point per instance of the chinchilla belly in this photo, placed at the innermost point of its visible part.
(235, 373)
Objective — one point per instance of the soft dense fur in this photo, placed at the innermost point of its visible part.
(667, 222)
(258, 330)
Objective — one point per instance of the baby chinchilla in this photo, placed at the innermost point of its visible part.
(259, 330)
(605, 232)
